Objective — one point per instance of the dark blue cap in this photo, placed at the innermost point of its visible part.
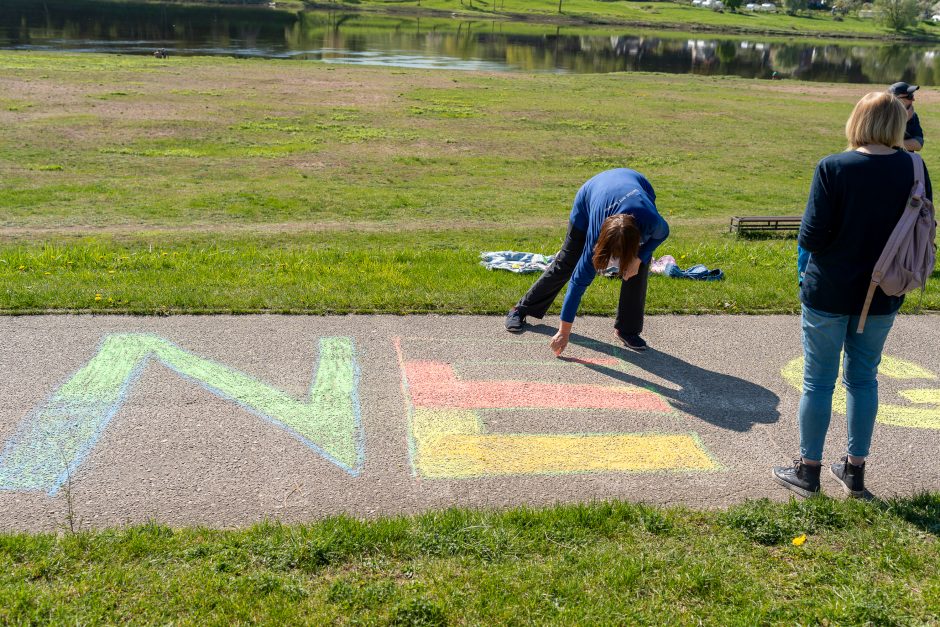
(902, 89)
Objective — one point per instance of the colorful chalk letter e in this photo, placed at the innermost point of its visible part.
(448, 438)
(53, 440)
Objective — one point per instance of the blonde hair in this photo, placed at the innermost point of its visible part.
(878, 118)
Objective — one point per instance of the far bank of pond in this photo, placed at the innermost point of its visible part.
(679, 15)
(474, 44)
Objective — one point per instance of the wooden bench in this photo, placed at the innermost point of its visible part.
(765, 223)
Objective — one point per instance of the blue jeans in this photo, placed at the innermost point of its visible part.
(824, 337)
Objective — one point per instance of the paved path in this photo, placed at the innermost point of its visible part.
(223, 421)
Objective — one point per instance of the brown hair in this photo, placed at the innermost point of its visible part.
(619, 237)
(878, 118)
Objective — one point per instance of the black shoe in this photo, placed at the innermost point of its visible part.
(514, 320)
(851, 477)
(633, 341)
(801, 478)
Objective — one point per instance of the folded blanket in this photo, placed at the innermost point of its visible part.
(520, 263)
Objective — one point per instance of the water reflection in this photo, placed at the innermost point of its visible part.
(90, 25)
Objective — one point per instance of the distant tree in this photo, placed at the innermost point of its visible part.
(844, 7)
(795, 6)
(898, 14)
(734, 5)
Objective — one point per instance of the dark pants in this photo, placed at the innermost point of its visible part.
(543, 293)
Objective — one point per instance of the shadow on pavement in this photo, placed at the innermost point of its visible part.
(722, 400)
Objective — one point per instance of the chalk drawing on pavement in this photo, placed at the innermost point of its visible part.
(54, 439)
(448, 437)
(922, 410)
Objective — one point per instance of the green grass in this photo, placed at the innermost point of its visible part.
(299, 187)
(660, 14)
(360, 272)
(601, 563)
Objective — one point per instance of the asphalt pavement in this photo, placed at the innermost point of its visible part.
(224, 421)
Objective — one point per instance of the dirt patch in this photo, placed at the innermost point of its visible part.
(15, 233)
(835, 92)
(142, 229)
(168, 96)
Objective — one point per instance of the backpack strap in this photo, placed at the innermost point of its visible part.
(864, 316)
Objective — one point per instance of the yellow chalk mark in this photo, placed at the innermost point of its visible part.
(434, 423)
(889, 414)
(452, 444)
(895, 368)
(915, 417)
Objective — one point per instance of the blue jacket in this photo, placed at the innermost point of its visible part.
(610, 193)
(913, 130)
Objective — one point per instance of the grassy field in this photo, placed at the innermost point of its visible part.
(204, 185)
(813, 562)
(131, 184)
(662, 14)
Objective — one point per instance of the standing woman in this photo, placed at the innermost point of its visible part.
(614, 222)
(855, 201)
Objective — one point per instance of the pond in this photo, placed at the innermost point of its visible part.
(448, 43)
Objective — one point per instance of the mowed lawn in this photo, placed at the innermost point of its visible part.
(132, 184)
(814, 562)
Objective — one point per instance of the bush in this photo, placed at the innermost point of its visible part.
(898, 14)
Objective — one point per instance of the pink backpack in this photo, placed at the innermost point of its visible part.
(910, 254)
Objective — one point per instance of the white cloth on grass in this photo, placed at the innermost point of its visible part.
(520, 263)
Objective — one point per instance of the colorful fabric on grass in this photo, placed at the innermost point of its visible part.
(667, 266)
(520, 263)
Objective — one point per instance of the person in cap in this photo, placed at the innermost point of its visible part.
(614, 222)
(913, 134)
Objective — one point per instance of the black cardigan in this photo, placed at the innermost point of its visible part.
(854, 203)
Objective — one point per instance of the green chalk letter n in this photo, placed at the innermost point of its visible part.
(52, 441)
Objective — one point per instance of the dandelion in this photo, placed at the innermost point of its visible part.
(799, 540)
(97, 297)
(47, 273)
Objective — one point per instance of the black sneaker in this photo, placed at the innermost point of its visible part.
(634, 342)
(851, 477)
(801, 478)
(514, 320)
